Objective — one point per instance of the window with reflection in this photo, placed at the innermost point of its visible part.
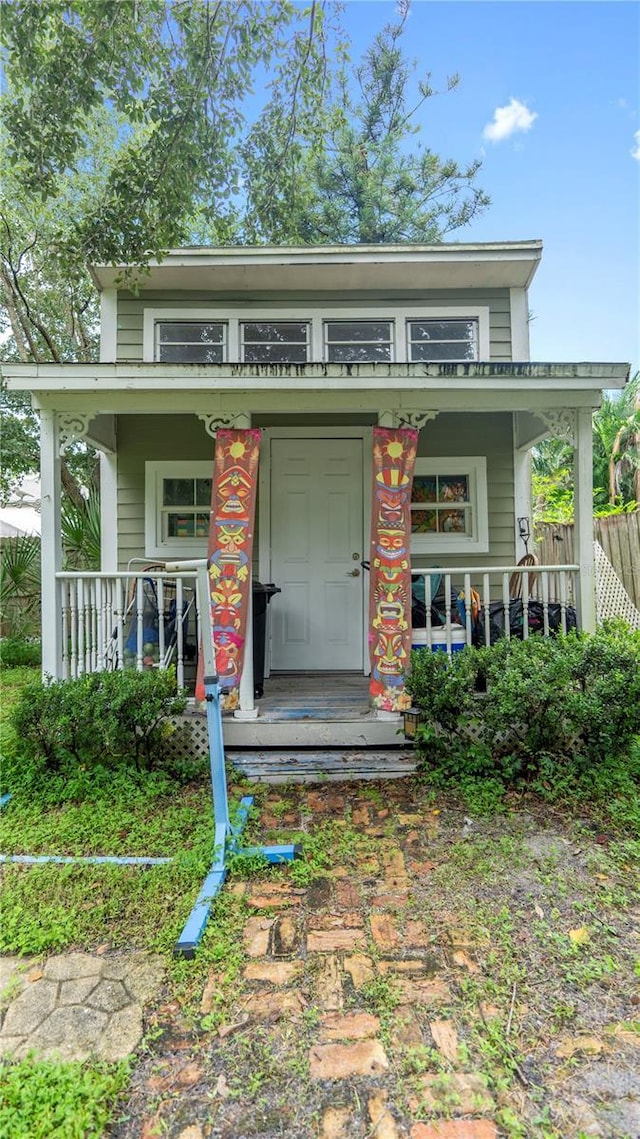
(186, 504)
(358, 341)
(190, 342)
(442, 340)
(275, 342)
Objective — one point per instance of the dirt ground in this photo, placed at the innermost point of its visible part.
(424, 973)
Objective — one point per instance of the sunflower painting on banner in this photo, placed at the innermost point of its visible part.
(394, 454)
(230, 550)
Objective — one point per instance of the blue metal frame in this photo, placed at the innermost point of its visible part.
(227, 834)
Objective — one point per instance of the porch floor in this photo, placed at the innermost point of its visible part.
(315, 696)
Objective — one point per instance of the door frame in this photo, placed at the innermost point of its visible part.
(365, 433)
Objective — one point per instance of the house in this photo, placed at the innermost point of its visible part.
(318, 348)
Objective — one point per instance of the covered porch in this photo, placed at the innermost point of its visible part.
(486, 415)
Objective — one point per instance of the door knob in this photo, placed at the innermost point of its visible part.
(353, 573)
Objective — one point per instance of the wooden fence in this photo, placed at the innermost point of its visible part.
(619, 536)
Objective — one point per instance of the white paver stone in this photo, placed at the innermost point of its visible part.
(68, 966)
(28, 1010)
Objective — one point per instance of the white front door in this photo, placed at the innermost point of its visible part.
(316, 547)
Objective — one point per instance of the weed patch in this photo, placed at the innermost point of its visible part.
(41, 1099)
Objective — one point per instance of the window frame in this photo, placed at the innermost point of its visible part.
(155, 471)
(474, 467)
(315, 314)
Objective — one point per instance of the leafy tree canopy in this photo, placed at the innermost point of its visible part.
(133, 126)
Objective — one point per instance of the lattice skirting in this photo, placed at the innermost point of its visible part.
(188, 737)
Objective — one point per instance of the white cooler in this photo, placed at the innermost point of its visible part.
(439, 639)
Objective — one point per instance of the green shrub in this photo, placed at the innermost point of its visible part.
(19, 652)
(47, 1099)
(548, 709)
(101, 720)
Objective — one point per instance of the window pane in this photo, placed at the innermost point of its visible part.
(189, 332)
(190, 353)
(443, 351)
(275, 353)
(181, 525)
(349, 331)
(424, 521)
(424, 488)
(289, 332)
(453, 488)
(203, 492)
(452, 522)
(443, 329)
(358, 353)
(177, 492)
(202, 525)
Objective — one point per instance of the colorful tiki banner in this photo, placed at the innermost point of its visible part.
(394, 454)
(233, 502)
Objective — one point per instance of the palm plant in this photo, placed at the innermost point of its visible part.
(81, 533)
(19, 584)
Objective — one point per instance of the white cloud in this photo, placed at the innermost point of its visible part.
(635, 153)
(509, 120)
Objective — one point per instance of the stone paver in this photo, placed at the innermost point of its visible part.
(360, 969)
(455, 1129)
(328, 983)
(79, 1005)
(328, 941)
(341, 1061)
(455, 1093)
(383, 1125)
(277, 972)
(352, 1026)
(384, 930)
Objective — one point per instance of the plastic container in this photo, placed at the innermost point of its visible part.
(439, 639)
(262, 595)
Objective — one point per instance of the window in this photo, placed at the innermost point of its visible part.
(441, 340)
(177, 507)
(190, 342)
(357, 341)
(275, 342)
(449, 509)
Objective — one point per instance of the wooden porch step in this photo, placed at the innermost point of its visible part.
(293, 765)
(366, 732)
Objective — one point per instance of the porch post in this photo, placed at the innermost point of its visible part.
(51, 544)
(108, 512)
(522, 494)
(583, 510)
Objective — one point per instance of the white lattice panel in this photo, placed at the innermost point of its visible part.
(612, 599)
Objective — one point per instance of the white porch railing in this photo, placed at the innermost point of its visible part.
(128, 619)
(149, 619)
(456, 596)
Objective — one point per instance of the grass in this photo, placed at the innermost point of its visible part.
(45, 1099)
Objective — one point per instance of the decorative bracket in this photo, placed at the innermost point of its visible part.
(71, 427)
(213, 422)
(561, 422)
(405, 417)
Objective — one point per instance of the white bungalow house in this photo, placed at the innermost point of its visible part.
(316, 346)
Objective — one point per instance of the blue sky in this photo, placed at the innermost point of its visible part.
(568, 174)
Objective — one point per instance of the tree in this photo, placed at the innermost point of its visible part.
(616, 460)
(363, 179)
(120, 126)
(125, 134)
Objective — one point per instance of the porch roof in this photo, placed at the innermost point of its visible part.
(247, 269)
(127, 377)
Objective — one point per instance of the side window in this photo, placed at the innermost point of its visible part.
(449, 506)
(190, 342)
(177, 507)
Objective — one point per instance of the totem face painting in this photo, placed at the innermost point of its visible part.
(394, 453)
(230, 546)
